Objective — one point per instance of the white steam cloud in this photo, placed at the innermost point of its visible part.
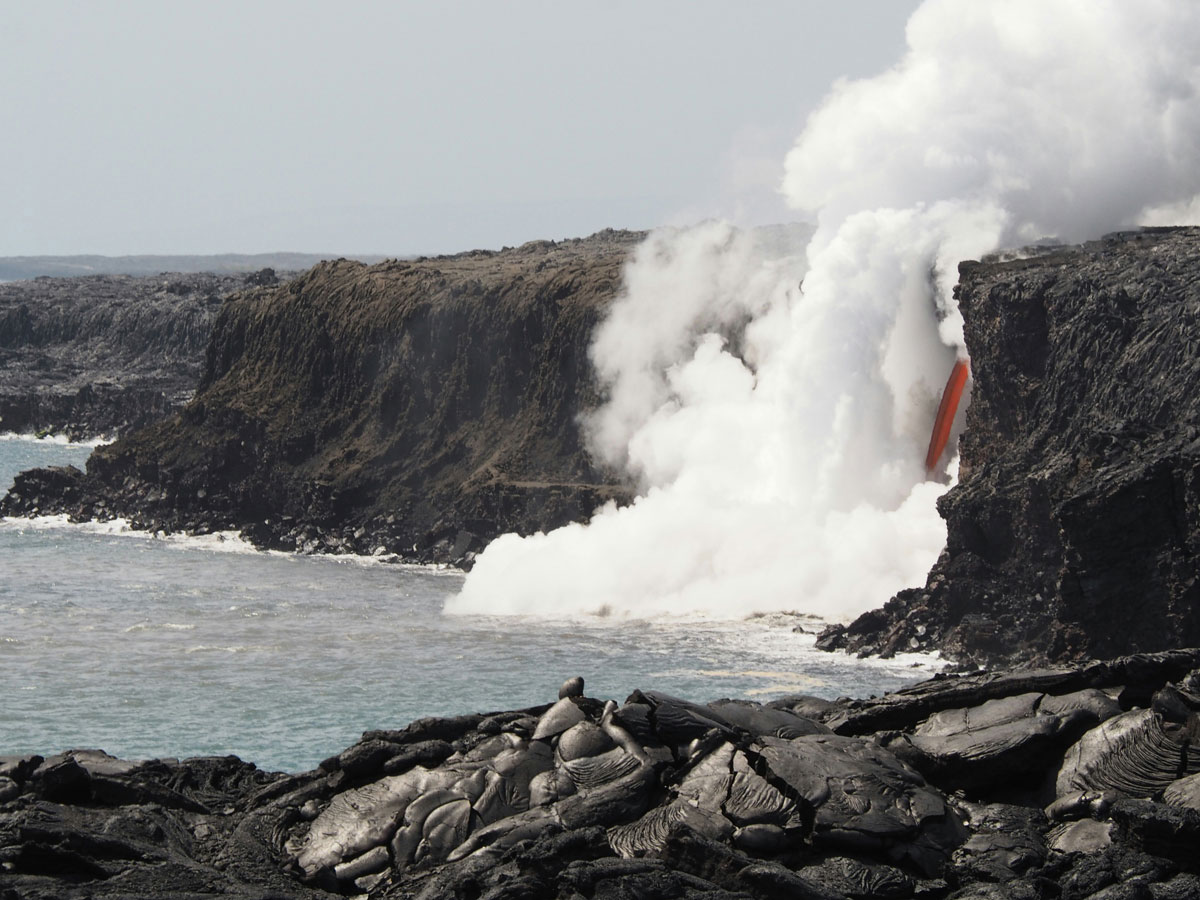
(772, 391)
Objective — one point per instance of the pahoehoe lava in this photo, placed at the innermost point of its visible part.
(1044, 783)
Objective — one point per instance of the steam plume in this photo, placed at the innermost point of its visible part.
(772, 391)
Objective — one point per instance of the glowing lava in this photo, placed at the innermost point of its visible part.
(945, 414)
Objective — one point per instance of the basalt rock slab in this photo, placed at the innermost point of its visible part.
(1003, 744)
(1183, 792)
(762, 721)
(846, 876)
(864, 799)
(1006, 842)
(1075, 524)
(685, 770)
(1135, 678)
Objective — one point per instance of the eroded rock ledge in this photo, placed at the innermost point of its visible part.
(1066, 783)
(415, 407)
(1075, 528)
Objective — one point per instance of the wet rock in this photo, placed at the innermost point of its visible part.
(449, 728)
(763, 721)
(63, 781)
(420, 753)
(613, 802)
(753, 800)
(1159, 830)
(558, 718)
(572, 687)
(19, 768)
(1081, 805)
(1184, 792)
(845, 876)
(1174, 703)
(676, 722)
(363, 818)
(650, 833)
(1137, 677)
(1006, 842)
(761, 839)
(370, 862)
(364, 759)
(594, 771)
(583, 739)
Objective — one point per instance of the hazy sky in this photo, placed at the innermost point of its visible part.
(406, 127)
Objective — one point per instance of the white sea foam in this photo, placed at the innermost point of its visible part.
(784, 469)
(233, 648)
(215, 542)
(59, 439)
(158, 626)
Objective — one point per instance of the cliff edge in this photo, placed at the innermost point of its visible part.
(1074, 530)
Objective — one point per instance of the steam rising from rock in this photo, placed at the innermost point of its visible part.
(772, 390)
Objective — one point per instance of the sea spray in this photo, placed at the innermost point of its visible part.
(773, 398)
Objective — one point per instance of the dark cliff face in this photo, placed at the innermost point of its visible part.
(102, 354)
(423, 407)
(1075, 528)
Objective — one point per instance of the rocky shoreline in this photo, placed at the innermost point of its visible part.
(423, 407)
(1075, 782)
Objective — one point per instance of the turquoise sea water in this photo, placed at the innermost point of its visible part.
(146, 646)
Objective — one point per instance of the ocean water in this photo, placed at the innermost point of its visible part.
(147, 646)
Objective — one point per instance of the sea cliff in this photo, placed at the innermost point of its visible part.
(444, 393)
(418, 407)
(1074, 529)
